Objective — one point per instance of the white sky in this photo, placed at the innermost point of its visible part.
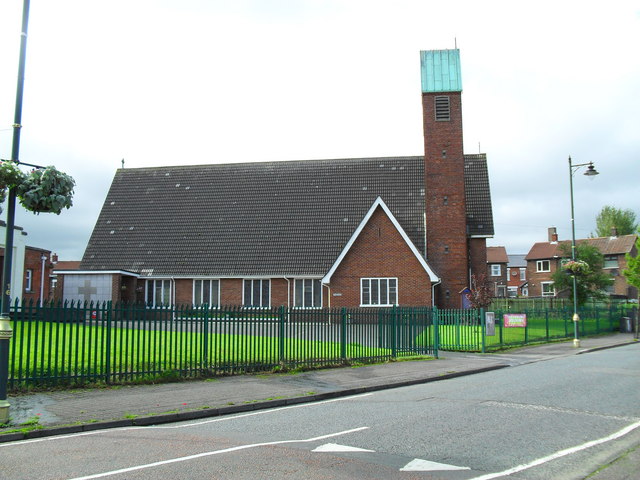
(166, 82)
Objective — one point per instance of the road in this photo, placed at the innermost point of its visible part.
(555, 419)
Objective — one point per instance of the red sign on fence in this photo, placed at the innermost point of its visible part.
(515, 319)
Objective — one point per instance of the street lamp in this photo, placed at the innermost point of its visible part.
(591, 172)
(5, 294)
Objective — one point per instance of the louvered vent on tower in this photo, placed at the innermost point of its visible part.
(443, 109)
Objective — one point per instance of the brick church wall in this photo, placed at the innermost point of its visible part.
(380, 251)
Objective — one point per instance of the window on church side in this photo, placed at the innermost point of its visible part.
(158, 293)
(257, 293)
(307, 293)
(378, 292)
(206, 292)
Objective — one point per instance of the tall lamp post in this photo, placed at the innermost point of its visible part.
(5, 293)
(591, 172)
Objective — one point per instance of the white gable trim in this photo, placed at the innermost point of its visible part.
(380, 203)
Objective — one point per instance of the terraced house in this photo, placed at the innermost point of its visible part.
(364, 232)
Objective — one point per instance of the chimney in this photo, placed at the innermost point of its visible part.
(614, 232)
(553, 235)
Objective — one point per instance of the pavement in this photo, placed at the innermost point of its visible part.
(83, 409)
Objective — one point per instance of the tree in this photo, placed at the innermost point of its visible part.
(591, 281)
(623, 220)
(481, 293)
(632, 272)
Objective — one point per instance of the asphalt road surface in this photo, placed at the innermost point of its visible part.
(556, 419)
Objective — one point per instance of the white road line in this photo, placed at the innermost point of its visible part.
(260, 412)
(217, 419)
(217, 452)
(559, 454)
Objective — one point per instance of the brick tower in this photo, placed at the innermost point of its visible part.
(446, 230)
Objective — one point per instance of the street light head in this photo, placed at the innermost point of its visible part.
(591, 171)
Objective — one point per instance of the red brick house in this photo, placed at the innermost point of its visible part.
(32, 268)
(517, 284)
(37, 271)
(497, 261)
(366, 232)
(545, 258)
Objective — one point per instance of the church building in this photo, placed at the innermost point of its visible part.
(352, 232)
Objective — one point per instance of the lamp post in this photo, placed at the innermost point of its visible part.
(591, 172)
(5, 294)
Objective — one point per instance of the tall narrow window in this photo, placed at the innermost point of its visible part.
(257, 293)
(206, 292)
(28, 280)
(158, 292)
(443, 109)
(307, 293)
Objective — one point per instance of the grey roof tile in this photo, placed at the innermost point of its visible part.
(276, 218)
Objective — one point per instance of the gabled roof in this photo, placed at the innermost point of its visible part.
(379, 203)
(497, 255)
(620, 245)
(272, 218)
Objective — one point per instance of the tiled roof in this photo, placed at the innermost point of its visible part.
(497, 255)
(517, 260)
(478, 196)
(275, 218)
(607, 245)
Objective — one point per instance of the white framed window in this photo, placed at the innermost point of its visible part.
(28, 280)
(496, 271)
(378, 292)
(523, 274)
(547, 288)
(307, 293)
(610, 261)
(543, 266)
(257, 293)
(158, 292)
(512, 292)
(206, 292)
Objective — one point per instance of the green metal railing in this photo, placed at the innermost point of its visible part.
(76, 343)
(544, 324)
(79, 343)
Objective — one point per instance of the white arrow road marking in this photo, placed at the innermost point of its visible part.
(334, 447)
(217, 452)
(417, 465)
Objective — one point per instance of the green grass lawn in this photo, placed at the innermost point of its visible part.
(49, 350)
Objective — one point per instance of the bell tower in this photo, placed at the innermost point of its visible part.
(446, 230)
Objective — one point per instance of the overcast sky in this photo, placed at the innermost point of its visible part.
(178, 82)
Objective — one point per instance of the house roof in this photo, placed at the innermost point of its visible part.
(620, 245)
(250, 219)
(517, 260)
(497, 255)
